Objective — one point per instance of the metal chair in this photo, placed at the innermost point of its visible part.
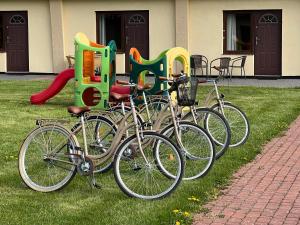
(221, 65)
(238, 62)
(199, 62)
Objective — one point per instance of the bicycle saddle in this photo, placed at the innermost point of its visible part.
(143, 87)
(119, 97)
(78, 111)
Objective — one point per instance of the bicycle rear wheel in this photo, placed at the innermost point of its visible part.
(141, 179)
(45, 162)
(238, 122)
(100, 132)
(154, 107)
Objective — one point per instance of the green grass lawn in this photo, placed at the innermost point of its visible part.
(269, 110)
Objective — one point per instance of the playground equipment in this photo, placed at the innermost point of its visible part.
(94, 71)
(162, 66)
(94, 74)
(55, 87)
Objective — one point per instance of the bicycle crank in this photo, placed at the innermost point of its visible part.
(85, 167)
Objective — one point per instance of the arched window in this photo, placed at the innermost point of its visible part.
(268, 18)
(136, 19)
(17, 19)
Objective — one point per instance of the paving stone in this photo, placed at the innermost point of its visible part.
(267, 190)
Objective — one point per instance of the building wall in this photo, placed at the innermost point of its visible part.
(39, 33)
(81, 16)
(206, 29)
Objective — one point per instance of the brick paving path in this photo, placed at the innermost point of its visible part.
(265, 191)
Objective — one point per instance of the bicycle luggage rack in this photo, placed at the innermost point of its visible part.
(47, 121)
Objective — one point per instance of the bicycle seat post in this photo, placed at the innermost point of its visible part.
(84, 135)
(123, 111)
(147, 110)
(138, 136)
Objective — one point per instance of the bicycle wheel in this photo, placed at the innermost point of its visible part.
(141, 179)
(198, 149)
(216, 125)
(100, 132)
(154, 107)
(118, 110)
(45, 160)
(238, 122)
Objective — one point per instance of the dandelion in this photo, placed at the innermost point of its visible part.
(177, 223)
(175, 211)
(193, 198)
(186, 214)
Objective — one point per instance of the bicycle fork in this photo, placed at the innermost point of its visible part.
(219, 99)
(137, 131)
(176, 124)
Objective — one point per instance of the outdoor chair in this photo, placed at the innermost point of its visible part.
(199, 62)
(238, 62)
(71, 61)
(221, 65)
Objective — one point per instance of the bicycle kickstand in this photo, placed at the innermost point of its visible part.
(92, 182)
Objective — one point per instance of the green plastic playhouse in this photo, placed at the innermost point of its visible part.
(94, 72)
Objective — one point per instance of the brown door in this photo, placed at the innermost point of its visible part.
(267, 42)
(136, 34)
(16, 31)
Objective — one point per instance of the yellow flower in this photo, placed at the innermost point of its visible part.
(175, 211)
(177, 223)
(193, 198)
(186, 214)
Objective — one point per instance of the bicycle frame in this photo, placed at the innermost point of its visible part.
(219, 99)
(99, 159)
(162, 116)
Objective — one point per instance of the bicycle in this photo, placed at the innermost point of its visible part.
(213, 122)
(194, 142)
(50, 156)
(236, 118)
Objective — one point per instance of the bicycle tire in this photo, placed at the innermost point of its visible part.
(198, 152)
(97, 142)
(235, 139)
(48, 181)
(216, 125)
(128, 168)
(154, 107)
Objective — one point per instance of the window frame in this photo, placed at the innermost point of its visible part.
(120, 49)
(238, 52)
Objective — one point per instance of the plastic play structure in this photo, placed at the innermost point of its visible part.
(55, 87)
(95, 72)
(163, 65)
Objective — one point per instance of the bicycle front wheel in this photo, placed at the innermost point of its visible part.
(140, 177)
(45, 160)
(238, 122)
(216, 125)
(197, 147)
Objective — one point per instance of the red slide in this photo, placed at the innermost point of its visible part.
(55, 87)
